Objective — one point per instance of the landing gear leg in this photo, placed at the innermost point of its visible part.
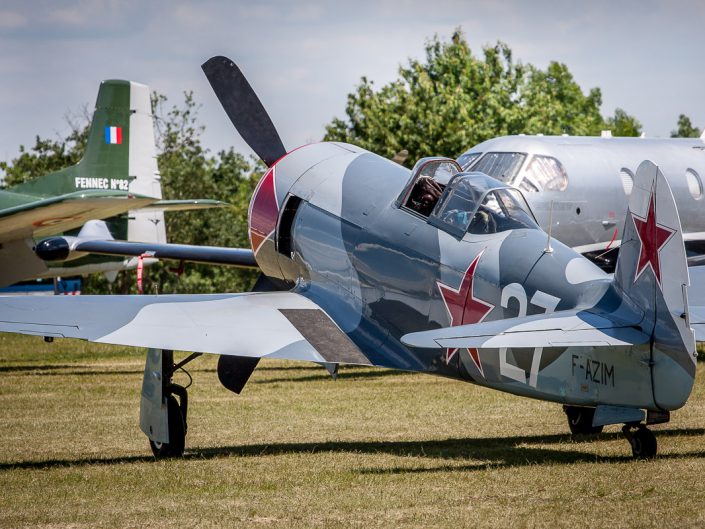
(641, 439)
(580, 420)
(162, 415)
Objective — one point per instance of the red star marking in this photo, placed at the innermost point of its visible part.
(463, 307)
(652, 238)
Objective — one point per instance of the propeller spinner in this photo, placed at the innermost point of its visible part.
(244, 108)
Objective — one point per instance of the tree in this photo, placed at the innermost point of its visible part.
(685, 128)
(553, 103)
(48, 155)
(622, 124)
(454, 100)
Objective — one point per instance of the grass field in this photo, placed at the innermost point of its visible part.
(375, 448)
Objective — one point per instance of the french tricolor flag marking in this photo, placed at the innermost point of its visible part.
(113, 135)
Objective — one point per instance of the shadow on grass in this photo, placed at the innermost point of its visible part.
(342, 375)
(60, 370)
(494, 452)
(348, 373)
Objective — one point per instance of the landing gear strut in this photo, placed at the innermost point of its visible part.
(580, 420)
(641, 439)
(162, 414)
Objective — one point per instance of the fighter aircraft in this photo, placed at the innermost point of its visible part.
(433, 270)
(582, 184)
(117, 177)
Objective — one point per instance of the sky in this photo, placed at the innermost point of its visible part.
(304, 57)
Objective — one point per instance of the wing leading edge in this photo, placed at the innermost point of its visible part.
(282, 325)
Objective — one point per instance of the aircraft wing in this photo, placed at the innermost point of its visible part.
(281, 325)
(48, 216)
(62, 248)
(560, 329)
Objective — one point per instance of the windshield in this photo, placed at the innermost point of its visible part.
(543, 173)
(467, 159)
(503, 166)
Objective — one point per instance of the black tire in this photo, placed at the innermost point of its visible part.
(580, 420)
(643, 443)
(177, 433)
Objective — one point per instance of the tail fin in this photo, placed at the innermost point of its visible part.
(120, 153)
(652, 272)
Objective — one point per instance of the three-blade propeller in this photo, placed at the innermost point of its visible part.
(244, 108)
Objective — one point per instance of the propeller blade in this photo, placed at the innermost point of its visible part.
(244, 108)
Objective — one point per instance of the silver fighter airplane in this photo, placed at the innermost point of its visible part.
(433, 270)
(581, 184)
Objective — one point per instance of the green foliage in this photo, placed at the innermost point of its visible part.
(553, 103)
(454, 100)
(685, 128)
(622, 124)
(46, 156)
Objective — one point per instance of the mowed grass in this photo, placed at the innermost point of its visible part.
(376, 448)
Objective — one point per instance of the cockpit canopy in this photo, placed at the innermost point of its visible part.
(477, 204)
(429, 178)
(461, 203)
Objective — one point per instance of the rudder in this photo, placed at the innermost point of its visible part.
(652, 273)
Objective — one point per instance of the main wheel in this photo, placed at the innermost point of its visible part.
(643, 443)
(580, 420)
(177, 433)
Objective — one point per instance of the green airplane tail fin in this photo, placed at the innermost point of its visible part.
(120, 153)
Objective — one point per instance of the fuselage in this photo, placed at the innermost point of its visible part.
(587, 180)
(326, 219)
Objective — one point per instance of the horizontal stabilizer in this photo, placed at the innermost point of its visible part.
(48, 216)
(560, 329)
(282, 325)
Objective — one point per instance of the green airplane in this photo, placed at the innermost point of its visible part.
(113, 192)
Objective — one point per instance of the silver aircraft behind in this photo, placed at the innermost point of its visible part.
(581, 184)
(433, 270)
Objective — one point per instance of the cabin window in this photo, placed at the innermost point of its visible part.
(503, 166)
(695, 185)
(545, 173)
(467, 159)
(627, 178)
